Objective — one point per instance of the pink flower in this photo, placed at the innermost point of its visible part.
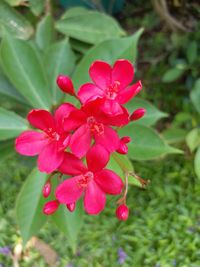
(93, 181)
(111, 84)
(50, 143)
(92, 123)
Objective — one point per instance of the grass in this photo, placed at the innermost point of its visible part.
(162, 230)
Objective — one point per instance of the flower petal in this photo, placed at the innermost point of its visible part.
(126, 94)
(72, 165)
(100, 73)
(111, 107)
(109, 139)
(89, 92)
(95, 199)
(50, 158)
(63, 111)
(123, 72)
(80, 141)
(97, 158)
(119, 120)
(109, 182)
(30, 143)
(69, 191)
(41, 119)
(74, 120)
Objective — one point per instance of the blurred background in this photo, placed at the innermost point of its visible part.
(163, 229)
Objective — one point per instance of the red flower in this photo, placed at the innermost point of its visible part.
(110, 84)
(90, 123)
(50, 143)
(93, 181)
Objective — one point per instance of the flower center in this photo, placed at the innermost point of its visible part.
(85, 179)
(95, 127)
(112, 90)
(52, 134)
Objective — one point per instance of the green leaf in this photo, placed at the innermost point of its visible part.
(60, 59)
(146, 144)
(11, 124)
(13, 22)
(152, 114)
(69, 222)
(45, 32)
(7, 90)
(37, 6)
(191, 52)
(173, 74)
(89, 26)
(197, 163)
(195, 95)
(6, 149)
(119, 164)
(23, 68)
(193, 139)
(29, 205)
(174, 135)
(74, 11)
(14, 2)
(79, 46)
(108, 51)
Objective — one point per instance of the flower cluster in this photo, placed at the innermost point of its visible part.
(78, 142)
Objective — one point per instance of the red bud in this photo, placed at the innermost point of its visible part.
(46, 191)
(71, 207)
(123, 148)
(126, 139)
(65, 84)
(50, 207)
(137, 114)
(122, 212)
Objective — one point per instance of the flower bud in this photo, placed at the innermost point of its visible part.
(46, 191)
(122, 212)
(137, 114)
(71, 206)
(123, 148)
(50, 207)
(65, 84)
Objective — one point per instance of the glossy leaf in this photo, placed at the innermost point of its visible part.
(29, 205)
(152, 114)
(8, 91)
(197, 163)
(13, 22)
(69, 222)
(60, 59)
(108, 51)
(193, 139)
(23, 68)
(45, 32)
(11, 124)
(195, 95)
(90, 27)
(146, 143)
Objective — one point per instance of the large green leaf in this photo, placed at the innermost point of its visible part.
(37, 6)
(146, 144)
(11, 124)
(29, 205)
(193, 139)
(45, 32)
(174, 135)
(89, 26)
(69, 222)
(195, 95)
(152, 114)
(22, 66)
(60, 59)
(8, 91)
(13, 22)
(109, 51)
